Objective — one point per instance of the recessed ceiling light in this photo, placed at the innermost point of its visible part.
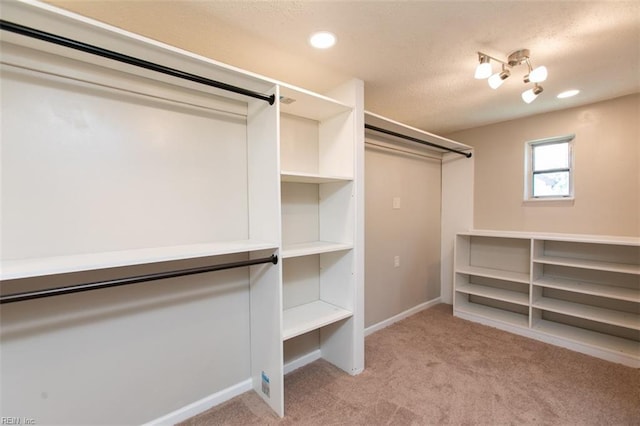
(568, 93)
(322, 39)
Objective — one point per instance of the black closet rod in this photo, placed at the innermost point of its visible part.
(410, 138)
(38, 294)
(88, 48)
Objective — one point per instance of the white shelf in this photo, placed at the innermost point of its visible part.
(395, 126)
(589, 264)
(289, 176)
(622, 319)
(588, 337)
(495, 293)
(315, 247)
(311, 316)
(488, 312)
(612, 292)
(34, 267)
(494, 273)
(309, 105)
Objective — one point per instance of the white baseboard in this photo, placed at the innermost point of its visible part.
(202, 405)
(302, 361)
(217, 398)
(401, 316)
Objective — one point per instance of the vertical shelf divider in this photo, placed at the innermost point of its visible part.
(264, 223)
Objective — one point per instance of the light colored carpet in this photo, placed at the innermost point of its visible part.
(433, 368)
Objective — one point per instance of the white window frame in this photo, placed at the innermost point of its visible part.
(528, 167)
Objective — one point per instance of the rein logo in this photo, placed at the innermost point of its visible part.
(16, 421)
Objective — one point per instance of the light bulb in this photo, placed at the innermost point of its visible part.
(495, 81)
(538, 75)
(498, 78)
(483, 70)
(530, 95)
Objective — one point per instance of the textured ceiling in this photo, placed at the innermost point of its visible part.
(417, 58)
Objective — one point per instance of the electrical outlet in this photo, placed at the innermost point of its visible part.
(396, 261)
(396, 202)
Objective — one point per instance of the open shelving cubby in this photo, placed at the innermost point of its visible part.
(584, 291)
(318, 202)
(492, 277)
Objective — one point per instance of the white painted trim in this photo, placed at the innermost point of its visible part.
(402, 315)
(202, 405)
(302, 361)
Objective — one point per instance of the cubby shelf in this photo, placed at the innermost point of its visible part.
(315, 247)
(608, 316)
(491, 313)
(609, 291)
(599, 341)
(309, 317)
(588, 264)
(34, 267)
(518, 277)
(581, 292)
(494, 293)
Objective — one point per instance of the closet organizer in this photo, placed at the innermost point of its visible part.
(126, 161)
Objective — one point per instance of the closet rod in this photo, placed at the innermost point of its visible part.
(88, 48)
(38, 294)
(410, 138)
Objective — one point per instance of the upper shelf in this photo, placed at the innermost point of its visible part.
(551, 236)
(309, 105)
(397, 127)
(35, 267)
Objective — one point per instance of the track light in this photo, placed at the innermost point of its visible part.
(483, 70)
(519, 57)
(498, 78)
(530, 95)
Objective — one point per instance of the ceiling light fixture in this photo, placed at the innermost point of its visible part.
(322, 39)
(519, 57)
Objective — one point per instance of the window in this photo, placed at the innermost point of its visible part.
(549, 168)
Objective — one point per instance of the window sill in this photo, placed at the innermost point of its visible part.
(549, 201)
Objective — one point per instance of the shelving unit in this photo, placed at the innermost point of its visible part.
(106, 165)
(318, 193)
(582, 292)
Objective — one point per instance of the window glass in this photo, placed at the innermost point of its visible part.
(551, 184)
(549, 168)
(551, 156)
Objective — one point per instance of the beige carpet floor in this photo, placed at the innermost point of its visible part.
(433, 368)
